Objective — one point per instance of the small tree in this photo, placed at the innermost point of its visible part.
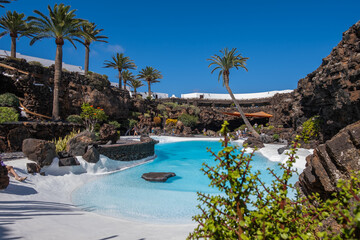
(92, 116)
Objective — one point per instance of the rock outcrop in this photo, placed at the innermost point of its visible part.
(4, 178)
(77, 145)
(158, 176)
(332, 161)
(40, 151)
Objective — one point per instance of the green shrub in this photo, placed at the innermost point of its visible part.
(8, 114)
(188, 120)
(311, 129)
(171, 104)
(61, 143)
(116, 124)
(132, 123)
(135, 114)
(9, 100)
(195, 109)
(35, 63)
(75, 119)
(161, 107)
(276, 137)
(92, 116)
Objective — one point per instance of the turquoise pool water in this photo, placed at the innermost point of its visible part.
(126, 195)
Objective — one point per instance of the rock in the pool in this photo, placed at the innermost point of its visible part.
(158, 176)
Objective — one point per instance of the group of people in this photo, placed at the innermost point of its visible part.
(11, 171)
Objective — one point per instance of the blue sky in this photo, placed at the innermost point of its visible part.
(284, 40)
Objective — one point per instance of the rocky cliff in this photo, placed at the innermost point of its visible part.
(333, 90)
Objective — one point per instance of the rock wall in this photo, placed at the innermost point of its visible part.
(12, 135)
(332, 161)
(75, 89)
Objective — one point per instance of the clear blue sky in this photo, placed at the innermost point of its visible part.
(284, 40)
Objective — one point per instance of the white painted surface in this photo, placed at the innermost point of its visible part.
(241, 96)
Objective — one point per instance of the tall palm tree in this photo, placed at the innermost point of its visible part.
(224, 63)
(127, 76)
(15, 25)
(61, 25)
(91, 35)
(135, 84)
(150, 75)
(120, 62)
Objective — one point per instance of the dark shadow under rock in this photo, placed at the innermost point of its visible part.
(157, 176)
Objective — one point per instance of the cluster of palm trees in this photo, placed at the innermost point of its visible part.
(122, 63)
(61, 24)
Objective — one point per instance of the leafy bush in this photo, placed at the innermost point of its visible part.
(135, 114)
(9, 100)
(161, 107)
(195, 109)
(157, 121)
(8, 114)
(188, 120)
(75, 119)
(147, 115)
(276, 137)
(61, 143)
(311, 129)
(36, 63)
(92, 115)
(132, 123)
(116, 124)
(171, 121)
(172, 104)
(98, 81)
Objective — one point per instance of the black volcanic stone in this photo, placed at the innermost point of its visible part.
(157, 176)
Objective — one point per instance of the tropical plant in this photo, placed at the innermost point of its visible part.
(116, 124)
(16, 26)
(135, 84)
(91, 35)
(224, 63)
(61, 142)
(311, 128)
(61, 25)
(74, 119)
(8, 114)
(150, 75)
(92, 116)
(120, 62)
(127, 76)
(4, 1)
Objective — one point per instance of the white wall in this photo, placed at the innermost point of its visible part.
(237, 96)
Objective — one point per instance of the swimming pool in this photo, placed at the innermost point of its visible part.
(126, 195)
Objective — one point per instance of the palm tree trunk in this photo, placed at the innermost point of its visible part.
(120, 77)
(57, 79)
(124, 80)
(149, 89)
(246, 121)
(13, 47)
(86, 65)
(135, 92)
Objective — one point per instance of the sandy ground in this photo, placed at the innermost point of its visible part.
(41, 207)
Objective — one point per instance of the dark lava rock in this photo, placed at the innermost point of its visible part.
(332, 161)
(92, 155)
(68, 161)
(282, 149)
(157, 176)
(147, 139)
(108, 133)
(40, 151)
(254, 142)
(266, 138)
(33, 168)
(16, 137)
(78, 144)
(4, 178)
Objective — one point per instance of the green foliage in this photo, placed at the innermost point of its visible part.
(116, 124)
(147, 115)
(195, 109)
(61, 143)
(132, 123)
(74, 119)
(9, 100)
(171, 104)
(8, 114)
(276, 137)
(36, 63)
(92, 116)
(270, 215)
(135, 114)
(188, 120)
(161, 107)
(311, 129)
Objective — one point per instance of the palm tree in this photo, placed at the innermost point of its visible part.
(15, 25)
(127, 76)
(150, 75)
(135, 84)
(4, 1)
(91, 35)
(61, 25)
(120, 62)
(224, 63)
